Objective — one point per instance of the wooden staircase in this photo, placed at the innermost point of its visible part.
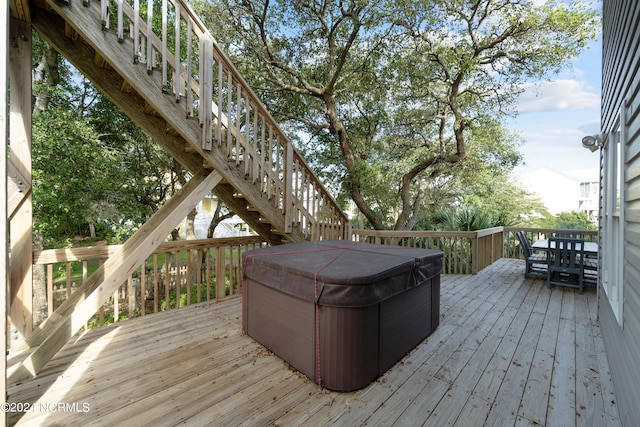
(197, 106)
(165, 71)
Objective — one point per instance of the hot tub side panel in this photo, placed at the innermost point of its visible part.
(406, 320)
(349, 343)
(282, 323)
(435, 302)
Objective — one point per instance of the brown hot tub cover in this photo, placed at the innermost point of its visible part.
(341, 312)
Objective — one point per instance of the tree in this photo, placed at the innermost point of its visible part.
(67, 179)
(94, 171)
(389, 96)
(148, 176)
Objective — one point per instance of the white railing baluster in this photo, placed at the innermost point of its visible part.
(120, 22)
(247, 133)
(254, 148)
(238, 102)
(136, 31)
(229, 112)
(206, 81)
(287, 193)
(219, 121)
(165, 51)
(150, 36)
(177, 67)
(268, 167)
(189, 68)
(278, 172)
(262, 173)
(104, 13)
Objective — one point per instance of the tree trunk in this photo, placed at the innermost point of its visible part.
(336, 127)
(47, 72)
(218, 217)
(39, 285)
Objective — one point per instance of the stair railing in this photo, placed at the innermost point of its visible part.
(168, 37)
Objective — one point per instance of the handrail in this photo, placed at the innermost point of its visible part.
(200, 75)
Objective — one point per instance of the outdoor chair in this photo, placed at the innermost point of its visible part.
(590, 269)
(535, 263)
(564, 263)
(590, 264)
(571, 234)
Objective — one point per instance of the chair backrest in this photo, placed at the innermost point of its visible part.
(572, 234)
(565, 253)
(524, 244)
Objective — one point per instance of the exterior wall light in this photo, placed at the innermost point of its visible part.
(592, 142)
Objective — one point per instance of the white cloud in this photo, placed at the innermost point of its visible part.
(556, 148)
(558, 95)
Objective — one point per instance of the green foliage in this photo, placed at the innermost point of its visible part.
(192, 296)
(566, 221)
(147, 174)
(95, 173)
(464, 219)
(71, 172)
(108, 318)
(397, 105)
(575, 221)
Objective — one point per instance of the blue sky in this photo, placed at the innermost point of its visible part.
(554, 120)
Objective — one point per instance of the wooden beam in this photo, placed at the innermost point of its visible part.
(4, 217)
(20, 269)
(19, 10)
(76, 311)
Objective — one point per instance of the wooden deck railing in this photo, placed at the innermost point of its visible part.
(187, 272)
(177, 274)
(188, 64)
(464, 252)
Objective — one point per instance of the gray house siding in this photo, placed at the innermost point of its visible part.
(621, 90)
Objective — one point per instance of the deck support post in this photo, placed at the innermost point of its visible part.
(19, 201)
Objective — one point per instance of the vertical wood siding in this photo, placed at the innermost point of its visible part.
(620, 84)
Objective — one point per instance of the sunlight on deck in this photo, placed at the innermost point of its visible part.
(508, 351)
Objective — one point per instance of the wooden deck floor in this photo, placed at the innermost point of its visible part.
(508, 351)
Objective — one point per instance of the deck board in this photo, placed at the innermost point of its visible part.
(508, 351)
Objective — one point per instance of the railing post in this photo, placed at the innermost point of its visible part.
(498, 247)
(347, 231)
(475, 254)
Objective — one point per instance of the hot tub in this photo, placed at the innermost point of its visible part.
(340, 312)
